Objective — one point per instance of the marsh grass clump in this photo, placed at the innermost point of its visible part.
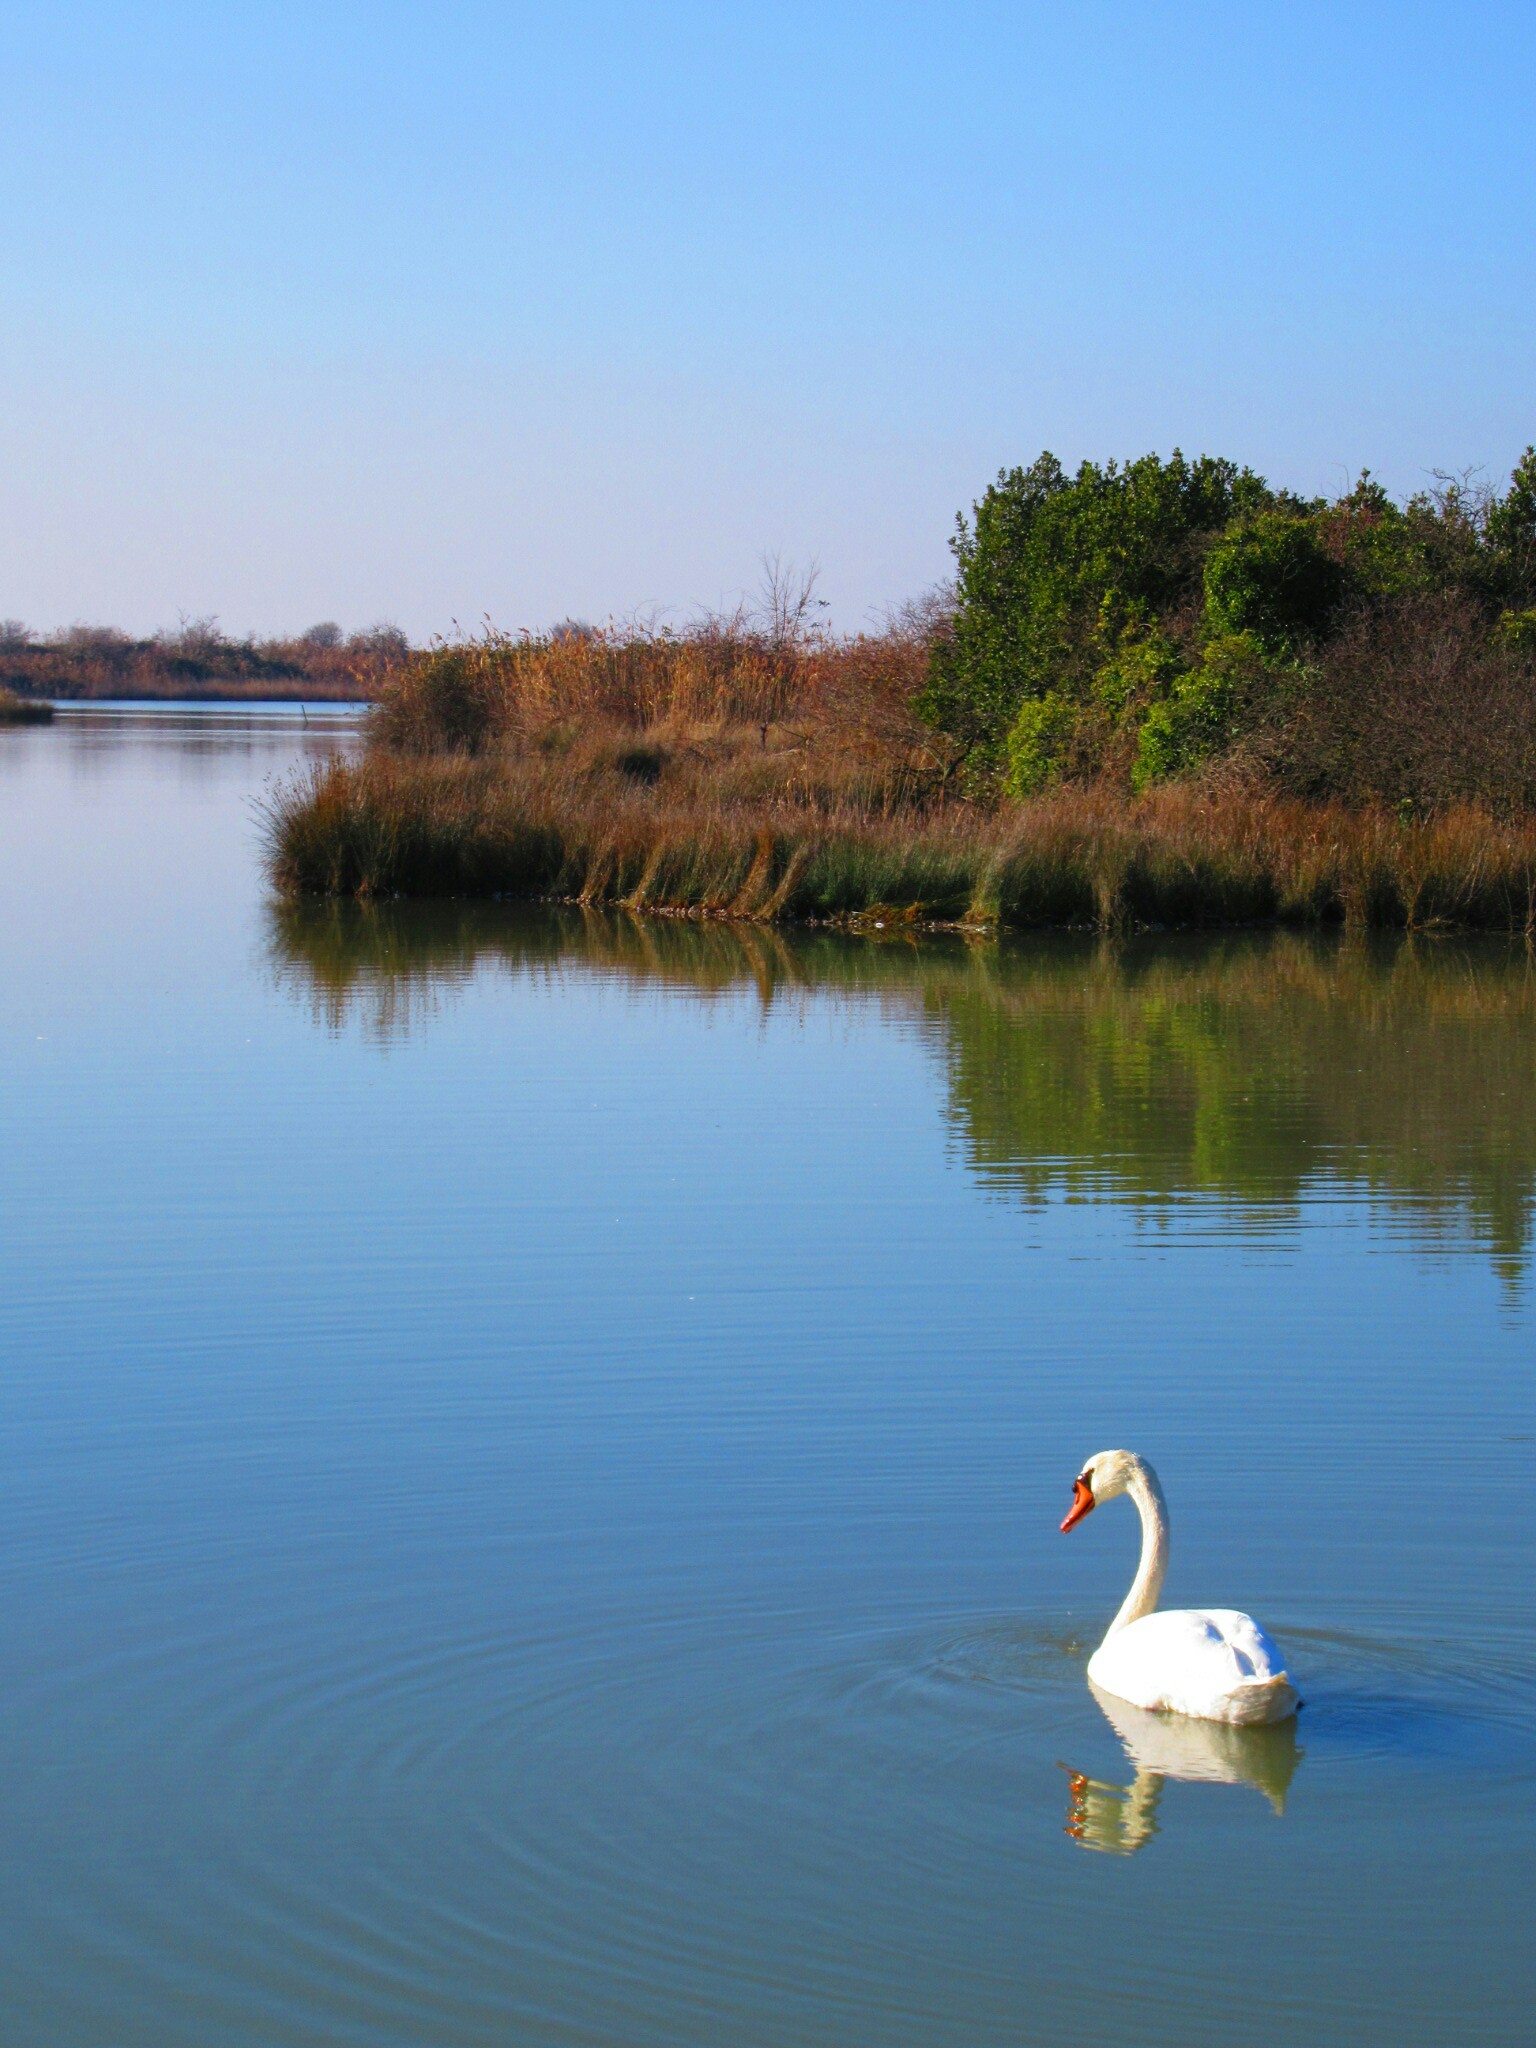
(385, 827)
(18, 710)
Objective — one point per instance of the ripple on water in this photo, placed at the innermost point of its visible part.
(668, 1810)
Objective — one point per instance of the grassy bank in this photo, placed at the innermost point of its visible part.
(385, 826)
(1162, 693)
(16, 710)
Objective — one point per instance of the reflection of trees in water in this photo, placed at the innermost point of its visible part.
(1248, 1070)
(1245, 1068)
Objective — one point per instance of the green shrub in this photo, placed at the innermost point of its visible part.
(1271, 577)
(1145, 666)
(1048, 560)
(1517, 630)
(1206, 709)
(1038, 741)
(1511, 532)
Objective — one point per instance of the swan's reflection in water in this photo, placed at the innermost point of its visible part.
(1120, 1819)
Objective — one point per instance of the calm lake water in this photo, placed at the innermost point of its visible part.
(531, 1450)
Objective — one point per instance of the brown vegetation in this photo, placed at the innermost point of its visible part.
(16, 710)
(693, 839)
(1415, 707)
(196, 660)
(730, 772)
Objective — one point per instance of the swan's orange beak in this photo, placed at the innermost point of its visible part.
(1082, 1504)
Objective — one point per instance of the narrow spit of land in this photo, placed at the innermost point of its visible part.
(1158, 693)
(838, 805)
(197, 662)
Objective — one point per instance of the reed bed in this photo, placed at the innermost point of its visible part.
(733, 772)
(598, 833)
(15, 710)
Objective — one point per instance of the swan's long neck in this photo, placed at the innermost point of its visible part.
(1153, 1569)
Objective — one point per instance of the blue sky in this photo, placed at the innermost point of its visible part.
(423, 313)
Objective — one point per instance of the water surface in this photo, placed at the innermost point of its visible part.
(531, 1448)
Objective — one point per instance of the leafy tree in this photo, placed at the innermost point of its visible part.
(1272, 577)
(1038, 741)
(1140, 619)
(1049, 563)
(1512, 533)
(1205, 710)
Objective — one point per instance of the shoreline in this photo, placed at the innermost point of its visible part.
(381, 827)
(57, 699)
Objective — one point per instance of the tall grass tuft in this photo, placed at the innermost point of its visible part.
(16, 710)
(386, 826)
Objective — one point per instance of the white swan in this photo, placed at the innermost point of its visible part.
(1211, 1663)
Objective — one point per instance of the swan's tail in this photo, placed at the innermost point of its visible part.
(1262, 1699)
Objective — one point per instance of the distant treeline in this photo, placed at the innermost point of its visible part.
(196, 659)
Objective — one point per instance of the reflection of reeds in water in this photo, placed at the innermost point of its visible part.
(1244, 1067)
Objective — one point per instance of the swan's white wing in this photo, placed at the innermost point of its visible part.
(1255, 1652)
(1213, 1663)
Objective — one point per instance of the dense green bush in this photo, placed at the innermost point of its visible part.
(1205, 710)
(1051, 563)
(1134, 622)
(1038, 742)
(1517, 630)
(1273, 577)
(1511, 530)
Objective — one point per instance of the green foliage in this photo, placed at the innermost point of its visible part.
(1271, 577)
(1143, 669)
(1512, 532)
(1440, 544)
(1206, 709)
(1049, 560)
(1169, 603)
(1038, 741)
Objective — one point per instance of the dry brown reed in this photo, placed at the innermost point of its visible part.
(589, 832)
(16, 710)
(728, 772)
(715, 694)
